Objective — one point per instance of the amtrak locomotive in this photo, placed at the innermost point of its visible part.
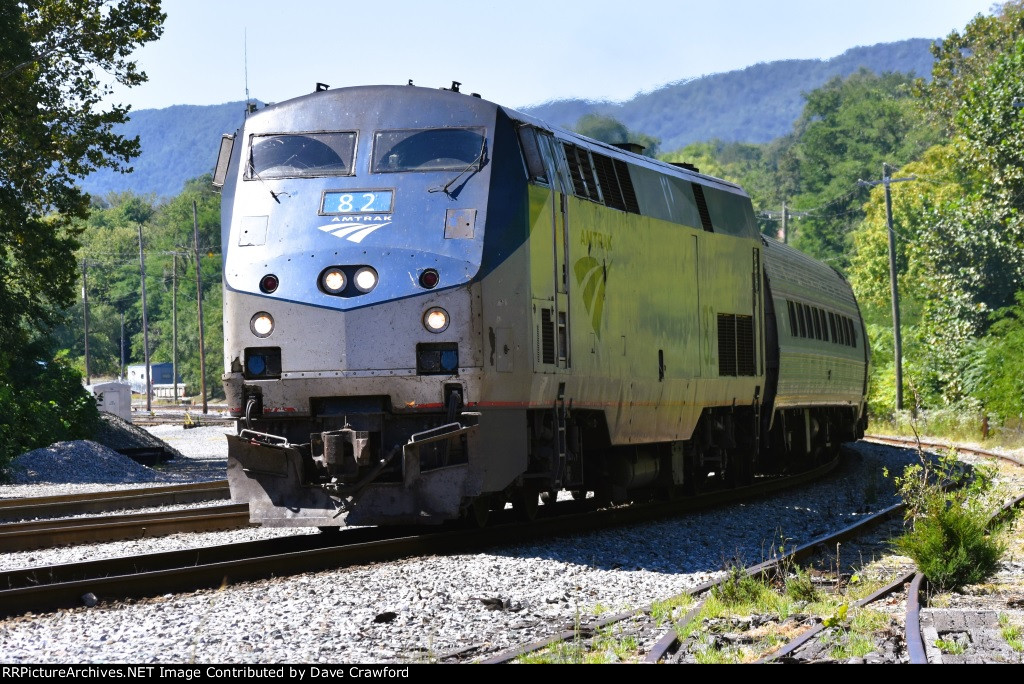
(435, 305)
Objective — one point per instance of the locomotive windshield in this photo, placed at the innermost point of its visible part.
(433, 149)
(303, 154)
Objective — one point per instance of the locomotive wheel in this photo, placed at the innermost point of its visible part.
(478, 513)
(527, 504)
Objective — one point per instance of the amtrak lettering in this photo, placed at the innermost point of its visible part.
(591, 238)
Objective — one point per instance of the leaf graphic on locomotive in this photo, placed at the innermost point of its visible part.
(591, 275)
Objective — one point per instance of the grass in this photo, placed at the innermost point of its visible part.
(951, 646)
(611, 644)
(952, 424)
(1013, 634)
(720, 632)
(670, 609)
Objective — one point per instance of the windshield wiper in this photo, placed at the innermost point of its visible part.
(478, 162)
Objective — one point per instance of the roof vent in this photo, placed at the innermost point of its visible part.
(635, 148)
(686, 165)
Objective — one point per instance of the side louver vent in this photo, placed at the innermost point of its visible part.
(582, 172)
(616, 184)
(547, 336)
(736, 346)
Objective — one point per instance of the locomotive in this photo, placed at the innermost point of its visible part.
(435, 306)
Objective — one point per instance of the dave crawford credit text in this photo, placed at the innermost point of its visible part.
(293, 673)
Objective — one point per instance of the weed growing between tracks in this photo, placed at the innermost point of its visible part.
(950, 509)
(1013, 634)
(748, 618)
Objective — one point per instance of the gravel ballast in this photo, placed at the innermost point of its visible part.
(421, 609)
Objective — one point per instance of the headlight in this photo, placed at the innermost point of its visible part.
(436, 319)
(332, 280)
(262, 324)
(365, 279)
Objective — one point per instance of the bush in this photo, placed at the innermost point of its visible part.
(949, 541)
(41, 404)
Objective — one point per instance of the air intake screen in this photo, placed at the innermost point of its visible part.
(736, 346)
(547, 336)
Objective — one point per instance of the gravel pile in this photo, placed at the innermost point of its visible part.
(81, 462)
(423, 609)
(118, 434)
(86, 466)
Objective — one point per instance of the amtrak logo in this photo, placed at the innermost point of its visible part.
(355, 230)
(591, 276)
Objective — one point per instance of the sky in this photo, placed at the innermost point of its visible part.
(514, 53)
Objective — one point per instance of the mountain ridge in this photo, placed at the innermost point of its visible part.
(755, 104)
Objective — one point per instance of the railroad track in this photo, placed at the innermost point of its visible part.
(906, 580)
(60, 586)
(910, 443)
(114, 500)
(39, 534)
(670, 640)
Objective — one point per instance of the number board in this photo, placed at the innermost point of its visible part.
(357, 202)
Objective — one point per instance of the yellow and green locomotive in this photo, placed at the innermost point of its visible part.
(435, 305)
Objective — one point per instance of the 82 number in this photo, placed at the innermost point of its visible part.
(346, 202)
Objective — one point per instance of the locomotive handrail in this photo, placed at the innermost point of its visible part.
(438, 433)
(263, 438)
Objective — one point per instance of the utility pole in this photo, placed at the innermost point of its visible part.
(85, 316)
(894, 289)
(121, 366)
(784, 216)
(174, 328)
(145, 326)
(199, 296)
(785, 231)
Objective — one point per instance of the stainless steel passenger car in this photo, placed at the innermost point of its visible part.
(434, 305)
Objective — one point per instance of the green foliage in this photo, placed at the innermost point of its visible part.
(110, 246)
(998, 373)
(848, 129)
(951, 646)
(962, 58)
(57, 61)
(839, 617)
(739, 588)
(949, 540)
(1011, 633)
(41, 403)
(799, 586)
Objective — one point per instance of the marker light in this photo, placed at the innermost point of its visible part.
(262, 324)
(365, 279)
(333, 280)
(269, 283)
(429, 279)
(435, 320)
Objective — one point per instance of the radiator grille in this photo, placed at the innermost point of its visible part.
(736, 346)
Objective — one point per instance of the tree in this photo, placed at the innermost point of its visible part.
(54, 130)
(962, 58)
(849, 127)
